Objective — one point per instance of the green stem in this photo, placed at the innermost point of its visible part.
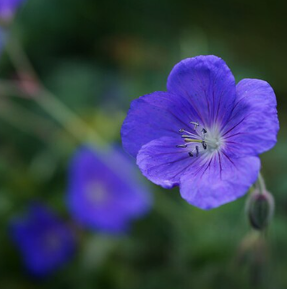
(67, 118)
(48, 101)
(10, 87)
(25, 120)
(19, 57)
(261, 183)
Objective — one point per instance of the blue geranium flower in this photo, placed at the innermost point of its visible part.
(8, 8)
(103, 193)
(44, 241)
(205, 133)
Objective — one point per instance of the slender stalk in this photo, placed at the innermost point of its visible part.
(72, 123)
(261, 183)
(10, 87)
(67, 118)
(48, 101)
(25, 120)
(19, 58)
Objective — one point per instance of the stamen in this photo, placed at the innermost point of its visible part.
(195, 124)
(181, 146)
(196, 136)
(187, 132)
(185, 136)
(192, 140)
(204, 145)
(197, 151)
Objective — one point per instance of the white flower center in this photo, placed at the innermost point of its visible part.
(201, 140)
(96, 193)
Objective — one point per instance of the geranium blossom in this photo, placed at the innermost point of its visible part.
(103, 192)
(205, 133)
(45, 242)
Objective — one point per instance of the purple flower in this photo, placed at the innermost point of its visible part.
(8, 8)
(205, 133)
(44, 241)
(103, 192)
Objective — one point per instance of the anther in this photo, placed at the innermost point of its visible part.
(181, 146)
(194, 139)
(204, 145)
(195, 124)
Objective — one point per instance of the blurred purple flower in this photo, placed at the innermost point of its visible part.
(205, 133)
(44, 241)
(8, 8)
(103, 192)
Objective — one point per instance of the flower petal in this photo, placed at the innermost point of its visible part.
(253, 126)
(163, 163)
(207, 84)
(221, 180)
(153, 116)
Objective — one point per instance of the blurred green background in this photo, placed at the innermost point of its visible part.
(97, 56)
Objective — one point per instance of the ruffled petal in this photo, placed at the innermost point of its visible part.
(253, 126)
(153, 116)
(208, 85)
(220, 180)
(163, 163)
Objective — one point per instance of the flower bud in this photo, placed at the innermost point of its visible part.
(260, 209)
